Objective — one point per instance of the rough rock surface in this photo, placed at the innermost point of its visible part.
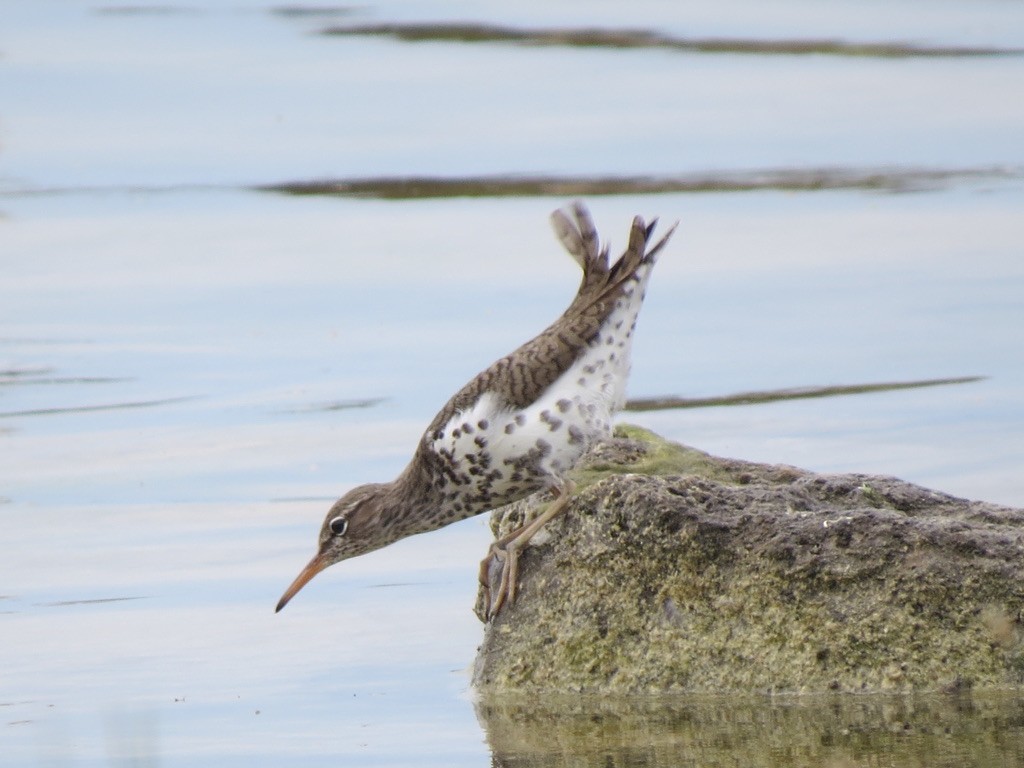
(673, 570)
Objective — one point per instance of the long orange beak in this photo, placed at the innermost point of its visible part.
(313, 567)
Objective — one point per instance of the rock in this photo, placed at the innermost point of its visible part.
(673, 570)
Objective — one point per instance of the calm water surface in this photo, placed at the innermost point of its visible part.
(193, 370)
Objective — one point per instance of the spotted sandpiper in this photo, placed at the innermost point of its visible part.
(516, 428)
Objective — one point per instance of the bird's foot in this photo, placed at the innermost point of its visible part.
(499, 573)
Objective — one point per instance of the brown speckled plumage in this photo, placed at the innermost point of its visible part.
(518, 426)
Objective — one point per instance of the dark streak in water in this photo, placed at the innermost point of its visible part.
(146, 10)
(789, 180)
(113, 189)
(15, 373)
(6, 379)
(61, 603)
(801, 393)
(389, 585)
(92, 408)
(648, 39)
(28, 340)
(886, 179)
(311, 11)
(339, 405)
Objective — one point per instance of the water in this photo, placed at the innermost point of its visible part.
(181, 351)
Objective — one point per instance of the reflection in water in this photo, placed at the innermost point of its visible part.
(835, 731)
(132, 738)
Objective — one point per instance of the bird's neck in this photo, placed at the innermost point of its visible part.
(413, 500)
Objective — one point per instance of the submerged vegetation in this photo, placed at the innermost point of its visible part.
(468, 32)
(799, 393)
(514, 185)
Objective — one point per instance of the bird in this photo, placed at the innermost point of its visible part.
(515, 429)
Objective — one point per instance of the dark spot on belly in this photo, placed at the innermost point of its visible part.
(553, 422)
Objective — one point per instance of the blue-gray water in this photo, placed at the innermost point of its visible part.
(145, 544)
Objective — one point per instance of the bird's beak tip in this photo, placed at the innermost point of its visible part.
(312, 568)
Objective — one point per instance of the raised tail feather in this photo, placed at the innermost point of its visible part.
(519, 378)
(579, 237)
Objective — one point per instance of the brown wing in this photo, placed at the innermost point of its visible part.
(519, 378)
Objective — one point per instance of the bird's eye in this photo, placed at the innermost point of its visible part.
(339, 525)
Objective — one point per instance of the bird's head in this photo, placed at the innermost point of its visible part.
(356, 524)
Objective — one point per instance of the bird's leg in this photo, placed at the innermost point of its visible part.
(505, 551)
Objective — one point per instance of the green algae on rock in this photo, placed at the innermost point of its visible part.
(674, 570)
